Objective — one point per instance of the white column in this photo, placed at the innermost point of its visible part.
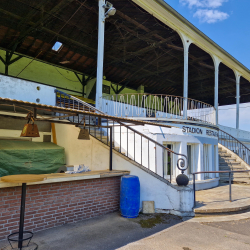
(183, 150)
(237, 99)
(186, 44)
(216, 155)
(216, 87)
(200, 161)
(100, 55)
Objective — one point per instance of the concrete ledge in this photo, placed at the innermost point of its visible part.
(233, 217)
(216, 201)
(205, 184)
(62, 177)
(236, 207)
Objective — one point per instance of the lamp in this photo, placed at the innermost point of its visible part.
(30, 130)
(111, 10)
(84, 133)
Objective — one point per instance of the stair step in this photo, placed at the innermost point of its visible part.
(224, 155)
(228, 160)
(229, 163)
(226, 168)
(222, 151)
(236, 180)
(235, 175)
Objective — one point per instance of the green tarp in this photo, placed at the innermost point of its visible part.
(26, 157)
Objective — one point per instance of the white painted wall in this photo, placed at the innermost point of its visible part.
(19, 89)
(95, 154)
(87, 152)
(175, 136)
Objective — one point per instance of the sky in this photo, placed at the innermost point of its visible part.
(226, 22)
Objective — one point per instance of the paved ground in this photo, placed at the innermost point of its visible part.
(163, 232)
(102, 233)
(217, 199)
(197, 236)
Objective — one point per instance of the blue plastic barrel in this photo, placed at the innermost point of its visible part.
(130, 196)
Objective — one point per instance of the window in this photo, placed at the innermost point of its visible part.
(190, 159)
(57, 46)
(168, 161)
(215, 158)
(206, 160)
(105, 89)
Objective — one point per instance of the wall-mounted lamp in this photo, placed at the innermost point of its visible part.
(111, 10)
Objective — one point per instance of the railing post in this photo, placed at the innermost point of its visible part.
(194, 189)
(230, 186)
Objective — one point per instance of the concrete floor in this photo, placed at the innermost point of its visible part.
(106, 232)
(197, 236)
(164, 232)
(217, 199)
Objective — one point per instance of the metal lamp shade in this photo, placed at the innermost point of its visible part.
(30, 130)
(84, 134)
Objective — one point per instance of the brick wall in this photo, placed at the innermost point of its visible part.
(51, 205)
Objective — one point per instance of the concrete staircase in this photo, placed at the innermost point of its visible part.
(229, 161)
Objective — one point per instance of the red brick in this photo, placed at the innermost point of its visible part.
(50, 205)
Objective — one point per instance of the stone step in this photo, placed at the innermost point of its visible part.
(235, 175)
(227, 168)
(229, 160)
(236, 180)
(222, 151)
(224, 155)
(229, 163)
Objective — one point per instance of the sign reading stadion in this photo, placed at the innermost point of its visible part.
(199, 131)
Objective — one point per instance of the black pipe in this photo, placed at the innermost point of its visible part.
(194, 189)
(110, 149)
(230, 186)
(21, 223)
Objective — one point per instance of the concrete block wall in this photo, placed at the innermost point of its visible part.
(51, 205)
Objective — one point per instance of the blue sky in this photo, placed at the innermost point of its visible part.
(231, 33)
(226, 22)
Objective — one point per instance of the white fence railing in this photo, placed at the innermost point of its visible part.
(157, 106)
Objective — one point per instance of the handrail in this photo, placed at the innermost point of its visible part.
(234, 145)
(159, 106)
(215, 172)
(181, 163)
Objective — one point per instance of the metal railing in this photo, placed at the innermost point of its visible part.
(69, 101)
(219, 172)
(157, 106)
(234, 145)
(122, 138)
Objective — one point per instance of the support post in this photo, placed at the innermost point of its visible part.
(110, 149)
(21, 223)
(237, 100)
(186, 44)
(194, 189)
(216, 87)
(100, 55)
